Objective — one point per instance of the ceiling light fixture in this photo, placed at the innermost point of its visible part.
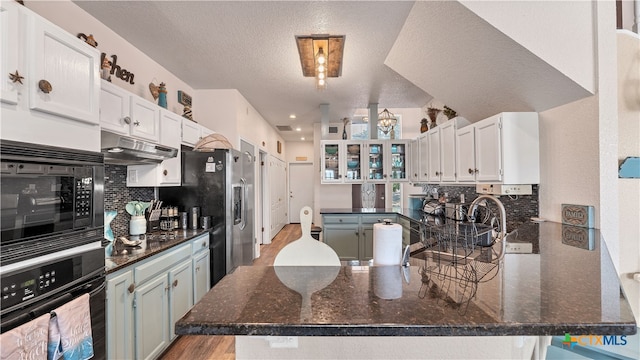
(292, 116)
(321, 57)
(386, 121)
(298, 129)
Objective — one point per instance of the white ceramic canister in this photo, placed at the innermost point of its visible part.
(137, 225)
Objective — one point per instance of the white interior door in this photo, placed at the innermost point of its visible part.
(301, 180)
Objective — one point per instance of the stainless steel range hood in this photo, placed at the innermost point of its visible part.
(120, 149)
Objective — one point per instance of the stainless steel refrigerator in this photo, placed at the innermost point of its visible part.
(221, 183)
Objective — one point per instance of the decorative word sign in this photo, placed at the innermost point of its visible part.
(184, 98)
(116, 70)
(578, 215)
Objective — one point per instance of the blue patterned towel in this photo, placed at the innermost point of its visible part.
(70, 331)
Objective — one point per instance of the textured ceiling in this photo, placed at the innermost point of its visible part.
(250, 46)
(477, 70)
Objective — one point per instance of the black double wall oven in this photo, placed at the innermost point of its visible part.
(52, 216)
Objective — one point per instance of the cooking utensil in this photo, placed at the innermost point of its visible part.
(306, 265)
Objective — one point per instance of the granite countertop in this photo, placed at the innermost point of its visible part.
(566, 284)
(415, 215)
(117, 258)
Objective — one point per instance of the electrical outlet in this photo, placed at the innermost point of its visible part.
(518, 248)
(281, 342)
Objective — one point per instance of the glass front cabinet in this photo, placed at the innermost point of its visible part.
(331, 155)
(398, 160)
(341, 161)
(376, 155)
(376, 161)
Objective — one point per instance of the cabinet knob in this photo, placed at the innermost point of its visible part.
(477, 171)
(384, 176)
(165, 172)
(204, 244)
(197, 268)
(339, 176)
(136, 123)
(132, 287)
(470, 171)
(45, 86)
(175, 283)
(357, 233)
(127, 120)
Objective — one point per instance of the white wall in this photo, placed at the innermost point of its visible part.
(629, 145)
(300, 149)
(73, 19)
(578, 149)
(559, 32)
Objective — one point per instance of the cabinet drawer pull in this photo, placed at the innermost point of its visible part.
(175, 283)
(45, 86)
(127, 120)
(131, 288)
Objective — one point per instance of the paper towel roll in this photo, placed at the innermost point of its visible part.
(387, 244)
(387, 282)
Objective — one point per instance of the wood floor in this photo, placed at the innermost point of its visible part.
(224, 347)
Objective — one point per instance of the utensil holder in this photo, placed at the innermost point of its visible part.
(137, 225)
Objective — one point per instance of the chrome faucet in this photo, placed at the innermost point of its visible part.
(503, 216)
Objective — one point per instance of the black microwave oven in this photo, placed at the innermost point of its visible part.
(51, 199)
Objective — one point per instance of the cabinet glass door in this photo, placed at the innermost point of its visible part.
(398, 160)
(354, 162)
(375, 161)
(331, 162)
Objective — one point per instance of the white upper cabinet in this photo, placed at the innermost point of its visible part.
(127, 114)
(331, 161)
(63, 73)
(376, 155)
(488, 150)
(9, 52)
(433, 141)
(415, 160)
(34, 55)
(115, 114)
(423, 164)
(170, 171)
(192, 132)
(145, 117)
(398, 157)
(503, 149)
(465, 154)
(448, 151)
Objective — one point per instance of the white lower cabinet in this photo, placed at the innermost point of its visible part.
(120, 315)
(146, 299)
(151, 317)
(201, 266)
(180, 294)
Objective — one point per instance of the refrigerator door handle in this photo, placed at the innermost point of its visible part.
(243, 221)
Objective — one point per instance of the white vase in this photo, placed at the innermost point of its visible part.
(137, 225)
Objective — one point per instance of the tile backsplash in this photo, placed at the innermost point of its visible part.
(519, 208)
(117, 195)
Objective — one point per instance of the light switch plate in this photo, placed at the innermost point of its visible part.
(518, 248)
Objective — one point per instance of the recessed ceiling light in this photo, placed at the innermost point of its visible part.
(298, 129)
(302, 138)
(292, 116)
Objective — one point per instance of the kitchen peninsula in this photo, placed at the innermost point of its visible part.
(562, 287)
